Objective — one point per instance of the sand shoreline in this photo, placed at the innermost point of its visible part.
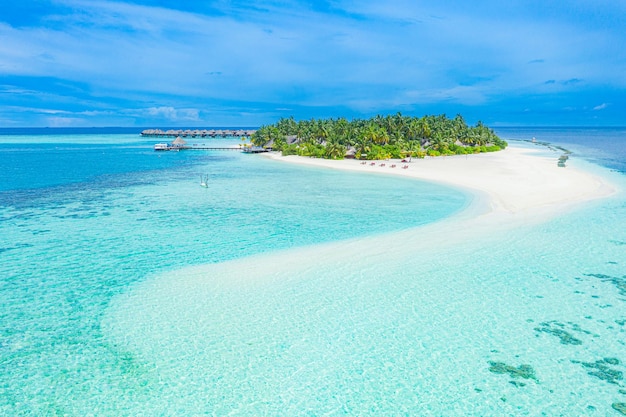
(422, 310)
(515, 182)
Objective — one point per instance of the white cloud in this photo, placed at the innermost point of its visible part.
(171, 113)
(286, 55)
(601, 106)
(64, 121)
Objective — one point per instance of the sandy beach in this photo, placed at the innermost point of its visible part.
(513, 188)
(517, 181)
(410, 318)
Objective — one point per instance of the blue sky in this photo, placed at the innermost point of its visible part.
(161, 63)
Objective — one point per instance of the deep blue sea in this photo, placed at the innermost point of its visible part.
(126, 288)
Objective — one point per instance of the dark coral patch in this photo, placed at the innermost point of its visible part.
(620, 283)
(522, 371)
(619, 407)
(602, 369)
(556, 329)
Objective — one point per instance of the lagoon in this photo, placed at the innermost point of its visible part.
(291, 290)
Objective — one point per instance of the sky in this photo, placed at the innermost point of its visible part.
(231, 63)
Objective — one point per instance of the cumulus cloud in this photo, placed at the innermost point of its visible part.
(172, 114)
(365, 56)
(64, 121)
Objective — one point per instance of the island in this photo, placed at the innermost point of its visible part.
(381, 137)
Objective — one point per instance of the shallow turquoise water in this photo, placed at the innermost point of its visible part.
(322, 296)
(409, 330)
(82, 222)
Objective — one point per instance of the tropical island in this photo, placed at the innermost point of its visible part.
(381, 137)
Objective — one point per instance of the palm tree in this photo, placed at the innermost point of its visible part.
(424, 130)
(362, 143)
(334, 150)
(413, 148)
(380, 135)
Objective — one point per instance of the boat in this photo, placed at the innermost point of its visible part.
(161, 147)
(204, 181)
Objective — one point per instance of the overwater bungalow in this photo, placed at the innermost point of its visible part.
(179, 142)
(197, 133)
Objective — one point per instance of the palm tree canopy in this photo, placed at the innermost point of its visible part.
(394, 135)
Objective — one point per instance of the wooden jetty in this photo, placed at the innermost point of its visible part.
(167, 147)
(255, 149)
(180, 144)
(204, 133)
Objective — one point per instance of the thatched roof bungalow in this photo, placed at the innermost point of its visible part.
(179, 142)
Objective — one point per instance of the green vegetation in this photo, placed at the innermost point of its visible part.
(381, 137)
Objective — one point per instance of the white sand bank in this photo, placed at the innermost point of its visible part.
(517, 180)
(426, 307)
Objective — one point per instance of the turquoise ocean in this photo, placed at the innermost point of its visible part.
(127, 289)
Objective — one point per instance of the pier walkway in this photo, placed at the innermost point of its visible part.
(181, 147)
(204, 133)
(170, 147)
(179, 144)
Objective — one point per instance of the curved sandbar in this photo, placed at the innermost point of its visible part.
(516, 180)
(410, 318)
